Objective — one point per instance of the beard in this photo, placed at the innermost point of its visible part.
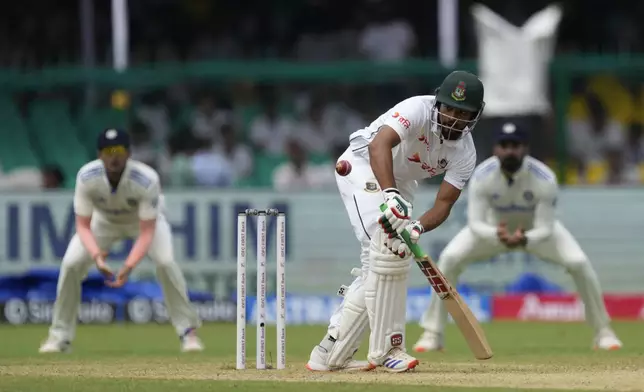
(511, 163)
(451, 134)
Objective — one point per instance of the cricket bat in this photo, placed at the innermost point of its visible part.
(457, 308)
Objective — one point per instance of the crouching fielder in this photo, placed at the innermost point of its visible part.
(117, 198)
(511, 205)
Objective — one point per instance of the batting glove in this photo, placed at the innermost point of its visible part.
(397, 246)
(415, 229)
(397, 214)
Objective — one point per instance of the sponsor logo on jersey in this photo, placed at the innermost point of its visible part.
(424, 139)
(414, 158)
(423, 165)
(401, 120)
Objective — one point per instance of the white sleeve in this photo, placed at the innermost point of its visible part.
(83, 205)
(544, 216)
(478, 204)
(461, 171)
(149, 204)
(406, 117)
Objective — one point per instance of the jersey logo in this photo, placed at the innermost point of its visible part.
(423, 165)
(443, 163)
(459, 92)
(414, 158)
(401, 120)
(528, 195)
(371, 186)
(132, 202)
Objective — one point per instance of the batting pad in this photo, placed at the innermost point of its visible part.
(386, 301)
(352, 327)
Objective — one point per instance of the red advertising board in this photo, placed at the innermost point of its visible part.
(563, 307)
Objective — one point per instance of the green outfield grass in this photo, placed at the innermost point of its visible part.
(147, 358)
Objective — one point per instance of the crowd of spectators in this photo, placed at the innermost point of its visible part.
(217, 140)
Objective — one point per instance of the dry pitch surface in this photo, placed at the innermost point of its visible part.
(142, 358)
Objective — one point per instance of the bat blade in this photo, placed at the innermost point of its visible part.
(457, 308)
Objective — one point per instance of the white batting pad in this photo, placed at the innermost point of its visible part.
(386, 299)
(352, 326)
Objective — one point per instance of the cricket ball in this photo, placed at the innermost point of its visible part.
(343, 168)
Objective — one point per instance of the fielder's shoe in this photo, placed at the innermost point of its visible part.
(606, 340)
(429, 341)
(53, 345)
(398, 361)
(190, 342)
(318, 363)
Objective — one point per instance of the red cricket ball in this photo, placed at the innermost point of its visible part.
(343, 167)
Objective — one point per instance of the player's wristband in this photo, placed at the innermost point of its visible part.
(419, 226)
(391, 190)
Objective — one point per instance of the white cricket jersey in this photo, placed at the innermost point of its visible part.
(527, 199)
(137, 196)
(421, 153)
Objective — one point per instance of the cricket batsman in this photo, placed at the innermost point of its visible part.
(511, 206)
(420, 137)
(117, 198)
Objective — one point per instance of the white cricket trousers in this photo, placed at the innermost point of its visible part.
(362, 198)
(77, 262)
(561, 248)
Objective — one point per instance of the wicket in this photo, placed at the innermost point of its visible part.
(261, 286)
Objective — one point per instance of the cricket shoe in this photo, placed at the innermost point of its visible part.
(190, 342)
(429, 341)
(54, 345)
(398, 361)
(606, 340)
(318, 363)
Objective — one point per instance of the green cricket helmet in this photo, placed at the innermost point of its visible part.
(460, 90)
